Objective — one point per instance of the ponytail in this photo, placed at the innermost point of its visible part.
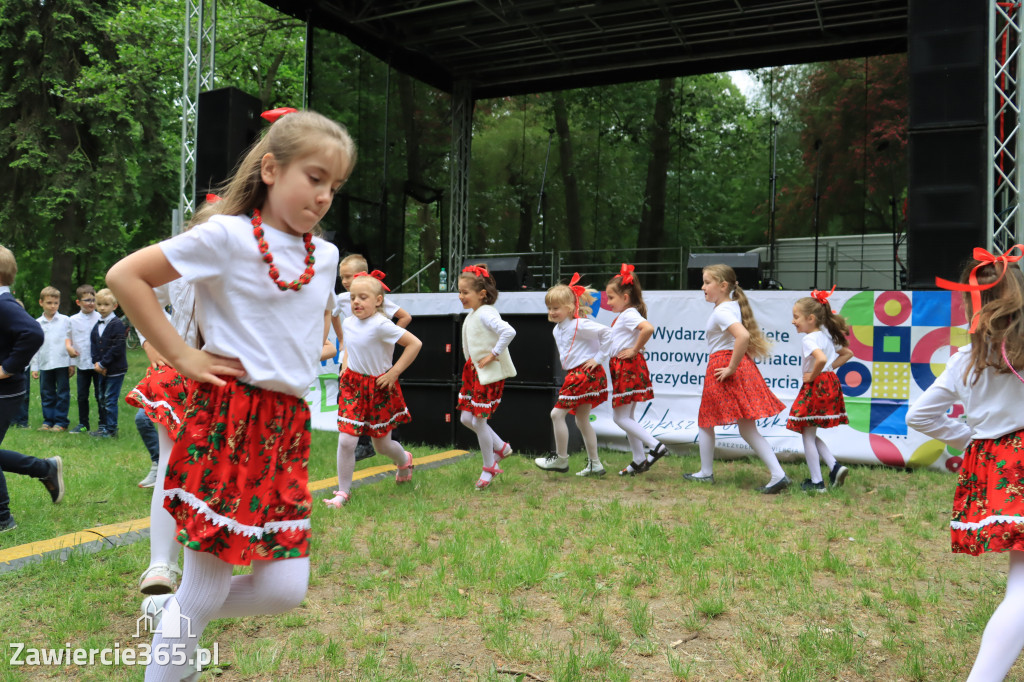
(836, 325)
(759, 347)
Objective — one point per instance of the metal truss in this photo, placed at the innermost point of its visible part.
(200, 49)
(1004, 175)
(462, 133)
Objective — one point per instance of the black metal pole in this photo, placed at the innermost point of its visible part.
(817, 205)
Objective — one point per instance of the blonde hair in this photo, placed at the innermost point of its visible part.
(106, 296)
(49, 292)
(561, 295)
(375, 285)
(759, 347)
(292, 136)
(356, 260)
(835, 324)
(1000, 320)
(8, 267)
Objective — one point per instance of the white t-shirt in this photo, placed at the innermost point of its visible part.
(370, 343)
(343, 306)
(581, 339)
(80, 334)
(722, 317)
(53, 354)
(276, 334)
(991, 406)
(819, 340)
(624, 330)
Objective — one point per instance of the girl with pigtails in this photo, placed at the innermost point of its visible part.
(820, 402)
(734, 391)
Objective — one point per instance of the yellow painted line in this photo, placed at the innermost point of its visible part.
(114, 529)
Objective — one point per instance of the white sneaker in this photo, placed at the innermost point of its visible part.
(592, 469)
(159, 578)
(150, 480)
(553, 463)
(154, 607)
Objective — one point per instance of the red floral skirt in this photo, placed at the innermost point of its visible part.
(819, 403)
(582, 386)
(365, 409)
(988, 505)
(478, 399)
(631, 380)
(237, 483)
(162, 394)
(744, 395)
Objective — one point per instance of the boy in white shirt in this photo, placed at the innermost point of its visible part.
(51, 364)
(78, 347)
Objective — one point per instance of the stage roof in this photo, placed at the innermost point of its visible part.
(506, 47)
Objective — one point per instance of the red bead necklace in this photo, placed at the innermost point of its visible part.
(268, 258)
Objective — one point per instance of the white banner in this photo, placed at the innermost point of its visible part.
(901, 342)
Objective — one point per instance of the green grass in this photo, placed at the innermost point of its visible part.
(563, 578)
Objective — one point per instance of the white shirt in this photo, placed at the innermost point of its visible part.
(80, 332)
(625, 330)
(370, 343)
(490, 318)
(343, 306)
(724, 315)
(580, 340)
(52, 354)
(992, 406)
(819, 340)
(277, 335)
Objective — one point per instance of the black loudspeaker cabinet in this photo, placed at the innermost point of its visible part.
(432, 407)
(440, 358)
(228, 123)
(746, 265)
(524, 420)
(509, 272)
(533, 350)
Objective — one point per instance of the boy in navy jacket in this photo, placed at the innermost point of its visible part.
(110, 358)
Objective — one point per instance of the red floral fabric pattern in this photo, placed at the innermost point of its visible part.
(744, 395)
(481, 400)
(237, 482)
(819, 403)
(583, 386)
(162, 394)
(988, 505)
(631, 380)
(365, 409)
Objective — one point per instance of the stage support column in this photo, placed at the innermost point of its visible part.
(200, 50)
(1004, 180)
(462, 139)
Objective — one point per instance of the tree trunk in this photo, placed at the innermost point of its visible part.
(652, 218)
(525, 219)
(573, 223)
(63, 264)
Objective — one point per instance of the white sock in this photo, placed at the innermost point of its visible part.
(706, 442)
(1003, 638)
(483, 436)
(561, 430)
(346, 461)
(393, 449)
(163, 548)
(587, 431)
(811, 453)
(749, 433)
(826, 454)
(635, 434)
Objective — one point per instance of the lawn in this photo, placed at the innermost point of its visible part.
(544, 576)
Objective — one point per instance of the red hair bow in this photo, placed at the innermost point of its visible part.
(626, 273)
(376, 274)
(478, 270)
(823, 296)
(577, 291)
(274, 114)
(984, 258)
(212, 198)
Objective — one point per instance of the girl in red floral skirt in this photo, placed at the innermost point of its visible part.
(734, 391)
(985, 377)
(820, 401)
(370, 401)
(583, 348)
(631, 380)
(237, 481)
(485, 340)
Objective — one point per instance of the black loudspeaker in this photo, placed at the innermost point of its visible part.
(228, 123)
(746, 265)
(432, 407)
(509, 272)
(440, 358)
(524, 420)
(533, 351)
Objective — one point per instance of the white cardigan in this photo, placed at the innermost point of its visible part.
(483, 333)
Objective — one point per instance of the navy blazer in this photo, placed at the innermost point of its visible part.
(20, 338)
(109, 348)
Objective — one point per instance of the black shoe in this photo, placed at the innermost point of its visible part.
(699, 479)
(54, 481)
(9, 524)
(656, 453)
(364, 451)
(809, 486)
(776, 487)
(633, 469)
(837, 476)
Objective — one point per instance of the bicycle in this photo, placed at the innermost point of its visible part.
(131, 335)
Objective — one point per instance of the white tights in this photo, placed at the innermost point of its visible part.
(635, 434)
(1004, 635)
(813, 447)
(749, 433)
(163, 548)
(561, 430)
(347, 456)
(208, 591)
